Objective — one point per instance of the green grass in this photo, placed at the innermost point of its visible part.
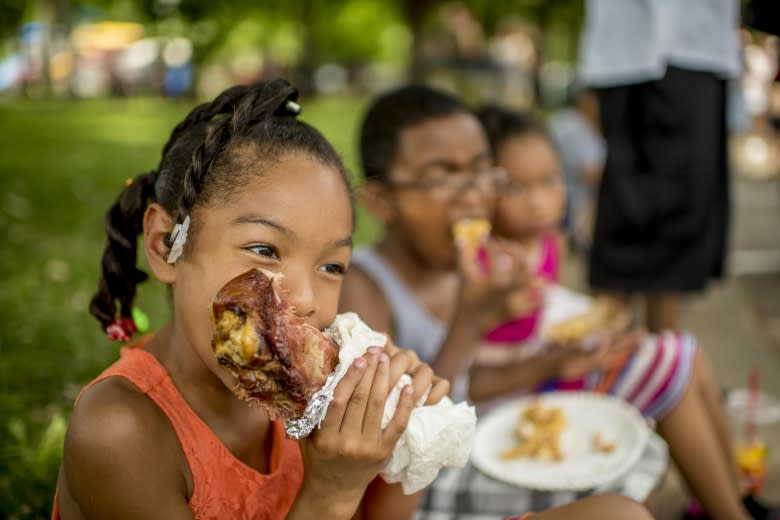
(61, 166)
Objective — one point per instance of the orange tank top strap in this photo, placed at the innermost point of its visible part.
(224, 487)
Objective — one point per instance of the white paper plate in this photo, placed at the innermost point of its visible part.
(582, 468)
(562, 303)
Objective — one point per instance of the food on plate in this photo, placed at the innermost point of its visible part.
(472, 232)
(602, 444)
(278, 360)
(538, 434)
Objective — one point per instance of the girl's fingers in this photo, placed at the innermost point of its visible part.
(440, 388)
(358, 401)
(390, 348)
(400, 420)
(380, 389)
(402, 363)
(422, 379)
(341, 395)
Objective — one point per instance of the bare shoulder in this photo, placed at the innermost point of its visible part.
(113, 413)
(361, 294)
(121, 455)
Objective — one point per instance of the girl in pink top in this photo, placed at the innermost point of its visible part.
(665, 376)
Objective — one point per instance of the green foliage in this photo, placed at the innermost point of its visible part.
(13, 12)
(32, 457)
(63, 164)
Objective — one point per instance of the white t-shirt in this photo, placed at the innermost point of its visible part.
(631, 41)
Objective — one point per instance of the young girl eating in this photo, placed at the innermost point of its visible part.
(242, 184)
(666, 377)
(428, 165)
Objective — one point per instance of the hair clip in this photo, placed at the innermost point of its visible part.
(179, 237)
(121, 329)
(292, 107)
(128, 181)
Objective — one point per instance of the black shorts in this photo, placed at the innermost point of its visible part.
(663, 206)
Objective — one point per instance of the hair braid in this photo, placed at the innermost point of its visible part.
(206, 112)
(123, 224)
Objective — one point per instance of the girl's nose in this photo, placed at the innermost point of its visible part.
(300, 293)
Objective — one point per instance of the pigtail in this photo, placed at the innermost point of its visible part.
(120, 275)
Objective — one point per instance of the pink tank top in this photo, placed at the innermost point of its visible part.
(523, 327)
(224, 487)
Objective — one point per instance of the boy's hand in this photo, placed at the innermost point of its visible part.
(490, 272)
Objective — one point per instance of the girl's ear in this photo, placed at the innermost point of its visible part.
(158, 225)
(376, 198)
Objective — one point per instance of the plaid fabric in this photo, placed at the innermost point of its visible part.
(467, 494)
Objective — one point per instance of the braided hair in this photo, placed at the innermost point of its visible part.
(203, 161)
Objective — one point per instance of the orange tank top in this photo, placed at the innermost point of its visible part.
(224, 487)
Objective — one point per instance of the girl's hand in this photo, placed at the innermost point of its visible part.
(423, 378)
(573, 360)
(346, 453)
(490, 273)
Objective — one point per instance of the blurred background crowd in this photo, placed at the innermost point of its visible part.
(88, 91)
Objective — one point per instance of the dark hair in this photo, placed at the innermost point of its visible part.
(204, 160)
(502, 123)
(394, 111)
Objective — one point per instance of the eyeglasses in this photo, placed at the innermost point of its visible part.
(451, 186)
(510, 187)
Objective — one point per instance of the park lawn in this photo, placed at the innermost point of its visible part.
(61, 166)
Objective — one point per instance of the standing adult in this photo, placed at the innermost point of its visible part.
(660, 69)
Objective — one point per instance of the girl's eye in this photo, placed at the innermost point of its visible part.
(264, 250)
(337, 269)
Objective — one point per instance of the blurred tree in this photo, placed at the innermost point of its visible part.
(416, 13)
(549, 16)
(11, 15)
(301, 36)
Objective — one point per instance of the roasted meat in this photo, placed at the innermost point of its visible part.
(278, 359)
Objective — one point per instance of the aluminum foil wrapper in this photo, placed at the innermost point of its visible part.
(315, 411)
(353, 338)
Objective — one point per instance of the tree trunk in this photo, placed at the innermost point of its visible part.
(415, 12)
